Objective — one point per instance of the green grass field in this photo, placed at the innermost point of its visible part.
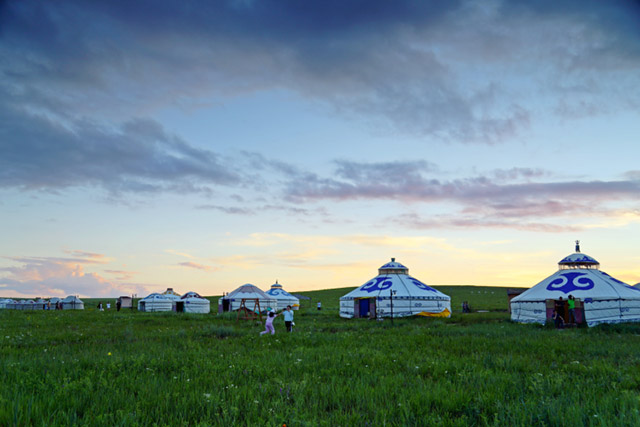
(130, 368)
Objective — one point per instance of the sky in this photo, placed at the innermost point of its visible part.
(203, 145)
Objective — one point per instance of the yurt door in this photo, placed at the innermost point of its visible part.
(364, 307)
(180, 306)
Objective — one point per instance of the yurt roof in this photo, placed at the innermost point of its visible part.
(393, 267)
(578, 260)
(156, 295)
(279, 293)
(401, 285)
(71, 298)
(191, 294)
(170, 291)
(248, 291)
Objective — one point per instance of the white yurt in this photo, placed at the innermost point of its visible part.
(28, 305)
(284, 298)
(173, 296)
(5, 302)
(599, 297)
(192, 302)
(155, 302)
(11, 304)
(72, 302)
(394, 292)
(250, 293)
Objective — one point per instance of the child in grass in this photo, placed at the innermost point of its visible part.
(268, 325)
(288, 318)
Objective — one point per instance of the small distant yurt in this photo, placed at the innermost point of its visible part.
(250, 294)
(192, 302)
(393, 290)
(72, 302)
(5, 302)
(125, 301)
(599, 298)
(284, 298)
(155, 302)
(172, 296)
(54, 300)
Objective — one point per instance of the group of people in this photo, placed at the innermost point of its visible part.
(288, 321)
(465, 307)
(558, 310)
(101, 306)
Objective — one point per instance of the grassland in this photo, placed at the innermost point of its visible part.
(130, 368)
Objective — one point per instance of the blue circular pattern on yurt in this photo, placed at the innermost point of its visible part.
(570, 282)
(377, 284)
(421, 285)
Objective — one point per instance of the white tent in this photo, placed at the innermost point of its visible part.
(233, 300)
(605, 299)
(394, 293)
(172, 296)
(155, 302)
(72, 302)
(192, 302)
(5, 302)
(284, 298)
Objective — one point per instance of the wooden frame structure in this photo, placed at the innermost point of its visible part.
(247, 313)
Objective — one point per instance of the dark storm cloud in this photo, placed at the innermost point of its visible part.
(393, 63)
(41, 153)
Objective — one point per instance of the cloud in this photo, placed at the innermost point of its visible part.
(195, 265)
(139, 156)
(47, 276)
(498, 198)
(465, 71)
(122, 275)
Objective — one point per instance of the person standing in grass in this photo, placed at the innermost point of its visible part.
(558, 320)
(268, 325)
(571, 303)
(288, 318)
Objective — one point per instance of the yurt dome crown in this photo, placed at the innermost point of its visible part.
(578, 260)
(276, 285)
(393, 267)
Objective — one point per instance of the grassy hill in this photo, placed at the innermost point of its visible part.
(130, 368)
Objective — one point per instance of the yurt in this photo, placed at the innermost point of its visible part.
(5, 302)
(173, 296)
(599, 298)
(192, 302)
(27, 305)
(155, 302)
(72, 302)
(284, 298)
(11, 304)
(251, 295)
(394, 293)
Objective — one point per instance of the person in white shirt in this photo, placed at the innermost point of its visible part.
(288, 318)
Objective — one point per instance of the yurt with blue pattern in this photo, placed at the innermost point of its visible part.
(393, 293)
(284, 298)
(600, 297)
